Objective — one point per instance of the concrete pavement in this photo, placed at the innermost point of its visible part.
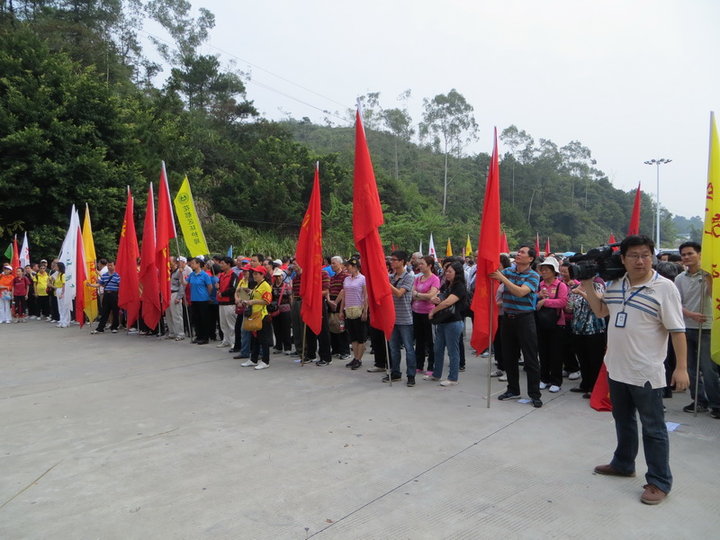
(117, 437)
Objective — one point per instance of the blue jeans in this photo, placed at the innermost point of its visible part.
(447, 335)
(245, 337)
(402, 333)
(709, 383)
(626, 399)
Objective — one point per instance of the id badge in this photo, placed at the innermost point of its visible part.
(620, 319)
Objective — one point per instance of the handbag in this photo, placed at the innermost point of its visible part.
(335, 324)
(353, 312)
(546, 318)
(253, 323)
(273, 308)
(443, 315)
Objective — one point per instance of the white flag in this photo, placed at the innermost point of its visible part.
(68, 256)
(25, 252)
(431, 247)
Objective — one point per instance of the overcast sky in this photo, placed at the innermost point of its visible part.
(631, 80)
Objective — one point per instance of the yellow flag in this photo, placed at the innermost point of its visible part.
(710, 261)
(91, 293)
(189, 222)
(468, 247)
(448, 249)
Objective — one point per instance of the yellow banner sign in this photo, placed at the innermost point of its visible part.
(189, 222)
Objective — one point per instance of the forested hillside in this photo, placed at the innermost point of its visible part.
(81, 118)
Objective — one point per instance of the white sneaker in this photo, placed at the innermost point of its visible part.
(262, 365)
(554, 388)
(448, 382)
(503, 377)
(574, 376)
(497, 373)
(543, 386)
(248, 363)
(222, 344)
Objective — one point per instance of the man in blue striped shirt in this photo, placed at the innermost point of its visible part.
(519, 297)
(110, 282)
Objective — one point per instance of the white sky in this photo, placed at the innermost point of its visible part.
(631, 80)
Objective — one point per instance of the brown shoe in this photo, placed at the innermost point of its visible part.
(609, 470)
(652, 494)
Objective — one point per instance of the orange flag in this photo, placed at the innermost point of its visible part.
(126, 265)
(165, 232)
(148, 270)
(309, 257)
(485, 317)
(367, 218)
(635, 217)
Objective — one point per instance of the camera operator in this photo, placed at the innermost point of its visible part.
(644, 308)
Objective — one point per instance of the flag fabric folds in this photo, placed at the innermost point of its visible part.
(189, 221)
(309, 257)
(367, 218)
(25, 252)
(504, 247)
(15, 262)
(431, 247)
(126, 265)
(164, 233)
(90, 294)
(69, 257)
(710, 261)
(488, 260)
(448, 249)
(81, 289)
(634, 227)
(611, 240)
(150, 294)
(547, 247)
(537, 244)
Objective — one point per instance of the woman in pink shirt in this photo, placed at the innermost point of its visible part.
(550, 315)
(426, 286)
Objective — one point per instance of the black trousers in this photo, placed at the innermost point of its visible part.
(551, 349)
(281, 324)
(519, 334)
(109, 306)
(201, 320)
(497, 346)
(379, 345)
(591, 352)
(424, 346)
(322, 339)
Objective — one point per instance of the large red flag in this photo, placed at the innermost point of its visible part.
(504, 247)
(484, 316)
(367, 217)
(635, 217)
(547, 247)
(80, 279)
(126, 265)
(309, 257)
(165, 232)
(148, 270)
(15, 262)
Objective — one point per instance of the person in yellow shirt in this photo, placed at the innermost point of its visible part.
(262, 339)
(64, 304)
(41, 282)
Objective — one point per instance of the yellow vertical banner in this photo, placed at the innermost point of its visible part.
(91, 293)
(468, 247)
(710, 261)
(189, 222)
(448, 249)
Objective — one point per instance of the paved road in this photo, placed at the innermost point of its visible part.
(116, 436)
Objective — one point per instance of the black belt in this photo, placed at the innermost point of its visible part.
(518, 315)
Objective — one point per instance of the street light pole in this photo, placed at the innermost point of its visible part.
(657, 163)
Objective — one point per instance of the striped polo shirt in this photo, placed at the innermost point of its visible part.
(516, 305)
(110, 282)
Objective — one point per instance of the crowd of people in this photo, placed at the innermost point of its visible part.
(650, 326)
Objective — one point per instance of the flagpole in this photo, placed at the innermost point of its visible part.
(491, 357)
(302, 356)
(184, 305)
(699, 346)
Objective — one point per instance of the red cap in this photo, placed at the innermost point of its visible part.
(259, 269)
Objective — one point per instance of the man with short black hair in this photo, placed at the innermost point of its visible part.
(644, 308)
(695, 286)
(401, 285)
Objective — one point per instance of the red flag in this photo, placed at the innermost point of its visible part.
(547, 247)
(148, 270)
(165, 232)
(80, 279)
(504, 247)
(15, 262)
(537, 244)
(635, 217)
(612, 240)
(367, 217)
(309, 257)
(126, 265)
(484, 316)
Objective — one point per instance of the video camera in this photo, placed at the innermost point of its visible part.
(601, 261)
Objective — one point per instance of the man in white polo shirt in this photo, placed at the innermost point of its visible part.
(644, 308)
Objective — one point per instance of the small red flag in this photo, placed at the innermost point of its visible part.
(15, 262)
(309, 257)
(547, 247)
(126, 265)
(635, 217)
(80, 279)
(165, 232)
(504, 247)
(612, 240)
(148, 270)
(485, 318)
(367, 218)
(537, 244)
